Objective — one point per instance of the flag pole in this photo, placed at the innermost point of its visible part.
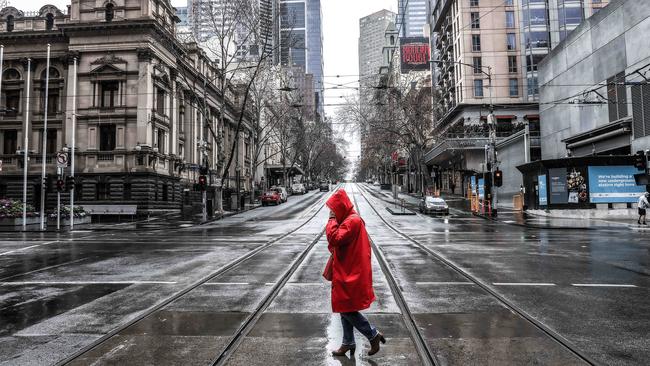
(26, 143)
(44, 146)
(74, 126)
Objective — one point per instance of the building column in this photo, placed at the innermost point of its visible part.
(145, 97)
(173, 119)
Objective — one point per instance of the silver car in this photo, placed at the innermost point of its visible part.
(431, 204)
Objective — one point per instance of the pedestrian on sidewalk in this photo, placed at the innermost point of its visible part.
(643, 205)
(349, 269)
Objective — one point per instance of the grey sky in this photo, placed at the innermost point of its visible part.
(340, 48)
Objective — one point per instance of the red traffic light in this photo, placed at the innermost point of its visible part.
(203, 182)
(60, 185)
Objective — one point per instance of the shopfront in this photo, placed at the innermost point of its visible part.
(581, 183)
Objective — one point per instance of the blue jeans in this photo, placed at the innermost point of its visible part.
(356, 320)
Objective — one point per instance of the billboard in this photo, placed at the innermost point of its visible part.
(481, 188)
(543, 196)
(613, 184)
(414, 54)
(558, 186)
(472, 181)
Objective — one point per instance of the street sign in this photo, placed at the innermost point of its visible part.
(61, 160)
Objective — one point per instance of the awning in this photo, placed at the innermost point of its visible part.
(602, 139)
(279, 170)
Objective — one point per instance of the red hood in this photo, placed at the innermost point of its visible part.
(341, 205)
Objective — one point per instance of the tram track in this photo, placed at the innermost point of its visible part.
(427, 357)
(559, 339)
(250, 321)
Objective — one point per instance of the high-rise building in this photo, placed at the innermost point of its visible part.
(372, 29)
(412, 17)
(301, 41)
(221, 18)
(485, 56)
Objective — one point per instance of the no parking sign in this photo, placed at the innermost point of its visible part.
(61, 160)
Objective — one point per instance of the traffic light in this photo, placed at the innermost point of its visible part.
(640, 161)
(69, 183)
(47, 183)
(203, 182)
(498, 178)
(60, 184)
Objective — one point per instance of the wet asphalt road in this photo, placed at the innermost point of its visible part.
(61, 294)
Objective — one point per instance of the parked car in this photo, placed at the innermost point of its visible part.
(431, 204)
(271, 196)
(324, 186)
(298, 188)
(282, 192)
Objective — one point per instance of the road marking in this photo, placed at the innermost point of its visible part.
(522, 284)
(19, 283)
(600, 285)
(444, 283)
(307, 283)
(29, 247)
(226, 283)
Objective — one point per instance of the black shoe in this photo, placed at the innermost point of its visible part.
(644, 223)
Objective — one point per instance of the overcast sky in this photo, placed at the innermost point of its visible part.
(340, 48)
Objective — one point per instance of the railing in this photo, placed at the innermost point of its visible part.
(49, 159)
(106, 156)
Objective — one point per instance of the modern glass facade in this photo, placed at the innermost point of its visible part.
(302, 41)
(411, 18)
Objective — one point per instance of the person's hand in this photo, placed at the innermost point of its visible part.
(332, 215)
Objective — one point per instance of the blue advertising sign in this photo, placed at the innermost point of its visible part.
(481, 188)
(472, 182)
(613, 184)
(543, 194)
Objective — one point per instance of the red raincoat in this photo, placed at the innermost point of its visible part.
(350, 248)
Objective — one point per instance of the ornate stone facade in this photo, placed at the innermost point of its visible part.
(147, 106)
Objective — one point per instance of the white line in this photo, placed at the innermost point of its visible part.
(600, 285)
(522, 284)
(226, 283)
(307, 283)
(44, 269)
(18, 283)
(444, 283)
(29, 247)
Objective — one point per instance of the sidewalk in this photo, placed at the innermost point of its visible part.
(460, 204)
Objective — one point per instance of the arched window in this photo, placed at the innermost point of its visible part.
(10, 23)
(392, 40)
(11, 74)
(110, 12)
(49, 21)
(54, 74)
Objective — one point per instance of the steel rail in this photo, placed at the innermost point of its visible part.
(231, 265)
(426, 355)
(252, 319)
(559, 339)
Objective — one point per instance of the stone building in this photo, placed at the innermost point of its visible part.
(148, 107)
